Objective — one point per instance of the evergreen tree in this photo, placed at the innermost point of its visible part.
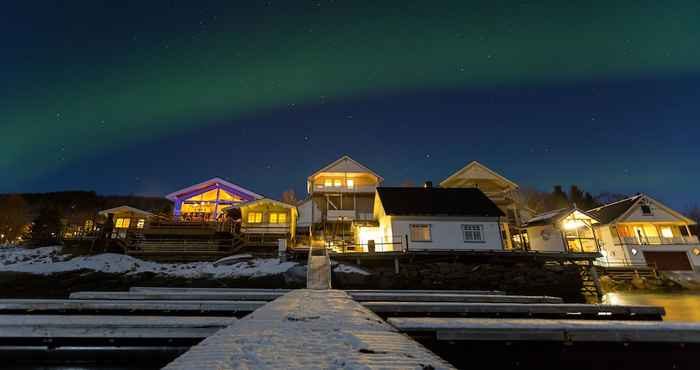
(47, 226)
(559, 198)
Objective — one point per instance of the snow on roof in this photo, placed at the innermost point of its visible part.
(125, 209)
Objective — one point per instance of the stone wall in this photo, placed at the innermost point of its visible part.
(525, 278)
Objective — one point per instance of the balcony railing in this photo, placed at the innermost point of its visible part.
(655, 240)
(341, 215)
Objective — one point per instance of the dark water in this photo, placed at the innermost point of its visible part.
(679, 306)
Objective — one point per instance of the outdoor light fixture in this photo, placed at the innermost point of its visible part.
(634, 252)
(696, 251)
(573, 224)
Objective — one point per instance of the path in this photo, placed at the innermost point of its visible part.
(309, 329)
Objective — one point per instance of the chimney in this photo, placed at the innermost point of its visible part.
(428, 184)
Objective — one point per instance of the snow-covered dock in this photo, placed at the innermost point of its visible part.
(110, 327)
(185, 296)
(534, 310)
(113, 307)
(310, 329)
(568, 331)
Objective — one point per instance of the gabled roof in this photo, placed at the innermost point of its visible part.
(125, 209)
(552, 217)
(346, 164)
(473, 165)
(611, 211)
(618, 210)
(437, 201)
(216, 180)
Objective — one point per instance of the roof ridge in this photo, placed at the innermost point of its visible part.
(617, 201)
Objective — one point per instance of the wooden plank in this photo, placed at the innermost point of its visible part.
(309, 329)
(58, 326)
(145, 289)
(566, 309)
(450, 297)
(236, 290)
(37, 306)
(454, 329)
(423, 291)
(176, 296)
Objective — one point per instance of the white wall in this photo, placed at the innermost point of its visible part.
(609, 248)
(447, 233)
(554, 243)
(305, 213)
(657, 214)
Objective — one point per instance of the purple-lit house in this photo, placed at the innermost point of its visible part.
(205, 201)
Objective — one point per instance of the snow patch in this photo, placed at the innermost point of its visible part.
(348, 269)
(49, 260)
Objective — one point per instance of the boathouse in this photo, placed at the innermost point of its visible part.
(641, 231)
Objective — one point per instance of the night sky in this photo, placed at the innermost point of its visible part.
(146, 97)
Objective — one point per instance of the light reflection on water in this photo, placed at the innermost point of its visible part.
(679, 306)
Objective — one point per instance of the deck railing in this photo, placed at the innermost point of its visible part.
(656, 240)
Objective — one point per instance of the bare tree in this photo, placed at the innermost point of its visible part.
(289, 196)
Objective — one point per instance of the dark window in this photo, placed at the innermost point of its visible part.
(646, 209)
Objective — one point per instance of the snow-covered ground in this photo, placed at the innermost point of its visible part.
(49, 260)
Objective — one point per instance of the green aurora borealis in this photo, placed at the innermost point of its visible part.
(81, 78)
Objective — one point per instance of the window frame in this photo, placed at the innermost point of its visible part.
(430, 232)
(140, 223)
(256, 219)
(478, 228)
(277, 219)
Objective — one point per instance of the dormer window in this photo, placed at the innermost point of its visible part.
(646, 210)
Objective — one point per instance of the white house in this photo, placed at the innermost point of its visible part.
(642, 231)
(563, 230)
(435, 219)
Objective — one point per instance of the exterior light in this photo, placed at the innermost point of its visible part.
(696, 251)
(573, 224)
(634, 251)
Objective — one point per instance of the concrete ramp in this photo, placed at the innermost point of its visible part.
(318, 270)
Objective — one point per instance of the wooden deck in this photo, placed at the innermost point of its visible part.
(309, 329)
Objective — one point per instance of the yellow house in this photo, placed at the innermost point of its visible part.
(265, 221)
(126, 220)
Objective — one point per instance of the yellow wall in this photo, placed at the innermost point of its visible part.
(267, 208)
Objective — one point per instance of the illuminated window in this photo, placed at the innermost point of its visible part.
(278, 218)
(328, 183)
(350, 183)
(88, 225)
(420, 233)
(667, 232)
(122, 223)
(337, 183)
(254, 217)
(473, 233)
(141, 223)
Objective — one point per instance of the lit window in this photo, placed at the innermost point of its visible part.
(278, 218)
(350, 183)
(254, 217)
(122, 223)
(337, 183)
(420, 233)
(473, 233)
(666, 232)
(696, 251)
(88, 225)
(328, 183)
(141, 223)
